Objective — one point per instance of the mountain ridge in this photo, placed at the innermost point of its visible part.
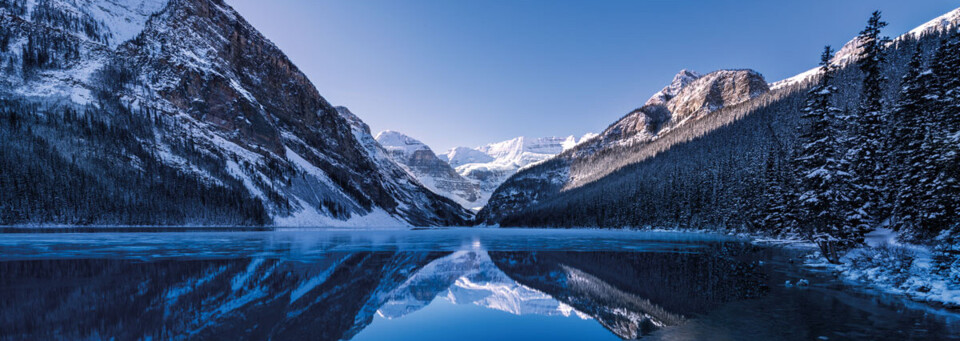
(205, 95)
(432, 172)
(655, 173)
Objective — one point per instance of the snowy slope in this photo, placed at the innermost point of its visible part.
(435, 174)
(463, 155)
(848, 52)
(689, 98)
(211, 97)
(715, 121)
(490, 165)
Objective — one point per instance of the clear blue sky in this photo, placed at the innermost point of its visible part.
(465, 73)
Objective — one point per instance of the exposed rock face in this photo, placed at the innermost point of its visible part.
(420, 161)
(680, 80)
(222, 94)
(714, 91)
(689, 98)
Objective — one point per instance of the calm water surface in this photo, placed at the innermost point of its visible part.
(452, 284)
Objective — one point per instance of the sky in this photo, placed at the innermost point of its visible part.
(467, 73)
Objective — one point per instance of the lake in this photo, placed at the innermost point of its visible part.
(442, 284)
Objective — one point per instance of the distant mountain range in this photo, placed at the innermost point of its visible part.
(470, 175)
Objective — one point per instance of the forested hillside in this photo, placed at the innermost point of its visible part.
(892, 159)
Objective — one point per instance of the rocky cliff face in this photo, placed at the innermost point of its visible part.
(689, 98)
(222, 105)
(435, 174)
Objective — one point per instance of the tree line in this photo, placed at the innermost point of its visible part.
(860, 146)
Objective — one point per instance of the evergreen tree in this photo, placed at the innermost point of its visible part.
(779, 213)
(912, 146)
(941, 204)
(823, 196)
(946, 255)
(869, 155)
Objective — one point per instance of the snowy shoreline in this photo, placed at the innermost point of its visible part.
(883, 264)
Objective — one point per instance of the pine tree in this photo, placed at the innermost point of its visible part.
(946, 255)
(912, 146)
(778, 213)
(869, 155)
(941, 206)
(823, 196)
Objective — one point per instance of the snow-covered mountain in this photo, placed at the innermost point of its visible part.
(178, 112)
(848, 52)
(490, 165)
(697, 152)
(688, 98)
(420, 161)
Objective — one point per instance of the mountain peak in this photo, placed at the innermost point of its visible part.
(271, 143)
(353, 119)
(688, 95)
(463, 155)
(433, 172)
(716, 90)
(680, 80)
(396, 141)
(686, 73)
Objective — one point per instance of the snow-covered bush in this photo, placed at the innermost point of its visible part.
(946, 255)
(887, 264)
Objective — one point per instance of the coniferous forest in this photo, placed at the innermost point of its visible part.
(167, 172)
(858, 146)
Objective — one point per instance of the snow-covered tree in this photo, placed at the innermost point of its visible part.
(912, 147)
(823, 184)
(942, 204)
(869, 155)
(779, 211)
(946, 254)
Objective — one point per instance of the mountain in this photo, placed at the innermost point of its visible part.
(435, 174)
(180, 112)
(490, 165)
(463, 155)
(687, 100)
(710, 154)
(848, 52)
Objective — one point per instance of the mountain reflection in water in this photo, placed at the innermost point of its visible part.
(717, 290)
